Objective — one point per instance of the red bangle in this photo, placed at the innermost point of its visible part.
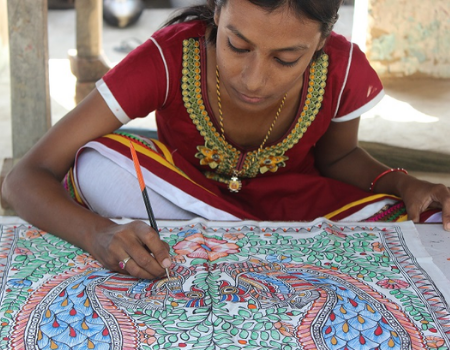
(372, 185)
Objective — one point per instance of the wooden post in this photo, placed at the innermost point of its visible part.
(88, 63)
(30, 96)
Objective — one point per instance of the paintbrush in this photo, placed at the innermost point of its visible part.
(148, 207)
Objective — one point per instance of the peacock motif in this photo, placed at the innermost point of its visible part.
(87, 310)
(331, 287)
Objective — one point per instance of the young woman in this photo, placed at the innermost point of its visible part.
(257, 105)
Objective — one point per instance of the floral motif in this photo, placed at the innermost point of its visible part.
(185, 233)
(333, 231)
(148, 336)
(435, 342)
(393, 284)
(233, 236)
(284, 328)
(279, 258)
(271, 163)
(19, 283)
(23, 251)
(261, 296)
(211, 157)
(377, 247)
(31, 234)
(197, 246)
(87, 260)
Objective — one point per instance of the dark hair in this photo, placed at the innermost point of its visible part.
(322, 11)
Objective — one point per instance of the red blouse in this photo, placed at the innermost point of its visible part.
(165, 75)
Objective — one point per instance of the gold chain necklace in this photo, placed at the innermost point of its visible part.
(235, 183)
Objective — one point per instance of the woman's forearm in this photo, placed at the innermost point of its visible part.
(39, 198)
(360, 169)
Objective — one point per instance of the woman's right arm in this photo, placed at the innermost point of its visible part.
(33, 188)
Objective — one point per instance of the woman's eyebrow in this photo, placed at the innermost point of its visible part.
(299, 47)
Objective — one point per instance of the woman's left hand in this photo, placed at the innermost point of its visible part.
(418, 195)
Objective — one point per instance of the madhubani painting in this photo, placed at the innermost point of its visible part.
(243, 285)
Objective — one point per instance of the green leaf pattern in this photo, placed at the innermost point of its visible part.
(210, 313)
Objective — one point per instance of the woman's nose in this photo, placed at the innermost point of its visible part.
(254, 75)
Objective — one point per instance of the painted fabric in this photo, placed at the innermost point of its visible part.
(246, 285)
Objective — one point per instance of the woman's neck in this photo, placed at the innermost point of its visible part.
(245, 128)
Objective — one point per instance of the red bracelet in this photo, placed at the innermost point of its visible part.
(372, 185)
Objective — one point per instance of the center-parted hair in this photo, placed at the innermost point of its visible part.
(323, 11)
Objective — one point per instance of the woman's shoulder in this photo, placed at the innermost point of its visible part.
(337, 42)
(180, 31)
(343, 52)
(354, 85)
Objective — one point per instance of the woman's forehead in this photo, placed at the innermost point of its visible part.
(256, 23)
(249, 10)
(267, 6)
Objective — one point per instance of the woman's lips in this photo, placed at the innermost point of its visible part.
(250, 99)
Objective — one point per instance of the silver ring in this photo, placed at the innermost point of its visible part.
(123, 262)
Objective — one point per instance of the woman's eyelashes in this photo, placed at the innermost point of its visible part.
(287, 64)
(235, 49)
(280, 61)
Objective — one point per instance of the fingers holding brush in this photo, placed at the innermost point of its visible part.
(148, 254)
(159, 251)
(131, 248)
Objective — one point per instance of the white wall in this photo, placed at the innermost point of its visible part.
(4, 51)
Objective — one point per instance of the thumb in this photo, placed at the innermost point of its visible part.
(413, 213)
(163, 256)
(166, 263)
(446, 219)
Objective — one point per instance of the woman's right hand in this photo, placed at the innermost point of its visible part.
(33, 188)
(149, 255)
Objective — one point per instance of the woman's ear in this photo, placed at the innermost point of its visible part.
(321, 44)
(216, 16)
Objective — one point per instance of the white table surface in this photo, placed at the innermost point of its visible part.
(437, 243)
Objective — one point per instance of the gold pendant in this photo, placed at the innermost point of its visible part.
(235, 184)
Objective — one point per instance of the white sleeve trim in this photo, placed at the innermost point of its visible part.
(167, 69)
(357, 113)
(111, 101)
(345, 80)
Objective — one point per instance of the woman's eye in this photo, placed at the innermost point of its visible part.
(235, 49)
(287, 64)
(280, 61)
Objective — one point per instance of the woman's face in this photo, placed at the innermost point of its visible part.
(261, 55)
